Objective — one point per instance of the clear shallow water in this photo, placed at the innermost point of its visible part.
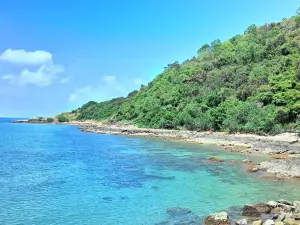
(58, 175)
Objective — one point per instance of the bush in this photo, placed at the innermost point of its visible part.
(62, 118)
(50, 120)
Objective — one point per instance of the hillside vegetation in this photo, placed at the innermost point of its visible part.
(250, 83)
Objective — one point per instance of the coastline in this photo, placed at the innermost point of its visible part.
(283, 149)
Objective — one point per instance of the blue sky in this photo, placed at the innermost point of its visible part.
(56, 55)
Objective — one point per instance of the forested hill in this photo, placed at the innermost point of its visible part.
(250, 83)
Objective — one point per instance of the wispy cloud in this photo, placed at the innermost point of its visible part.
(108, 87)
(138, 81)
(79, 93)
(45, 73)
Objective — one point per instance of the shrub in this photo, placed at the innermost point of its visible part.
(50, 120)
(62, 118)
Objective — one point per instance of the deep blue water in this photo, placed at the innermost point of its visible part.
(51, 174)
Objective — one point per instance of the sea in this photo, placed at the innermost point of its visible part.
(56, 174)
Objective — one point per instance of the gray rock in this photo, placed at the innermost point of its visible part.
(269, 222)
(247, 161)
(220, 218)
(242, 222)
(281, 217)
(296, 204)
(286, 208)
(285, 202)
(272, 203)
(284, 168)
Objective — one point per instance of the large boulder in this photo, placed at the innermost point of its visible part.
(220, 218)
(256, 210)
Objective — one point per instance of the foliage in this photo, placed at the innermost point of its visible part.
(62, 118)
(50, 120)
(250, 83)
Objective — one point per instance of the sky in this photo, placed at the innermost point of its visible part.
(57, 55)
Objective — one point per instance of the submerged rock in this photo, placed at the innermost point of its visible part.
(215, 159)
(247, 161)
(177, 211)
(220, 218)
(252, 168)
(256, 210)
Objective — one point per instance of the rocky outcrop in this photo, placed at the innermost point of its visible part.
(284, 168)
(256, 210)
(220, 218)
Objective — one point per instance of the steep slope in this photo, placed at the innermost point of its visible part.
(250, 83)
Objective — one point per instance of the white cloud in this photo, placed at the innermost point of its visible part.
(108, 88)
(23, 58)
(80, 93)
(45, 73)
(138, 81)
(109, 79)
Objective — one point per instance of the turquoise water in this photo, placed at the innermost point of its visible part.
(58, 175)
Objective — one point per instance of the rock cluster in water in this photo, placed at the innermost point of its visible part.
(281, 212)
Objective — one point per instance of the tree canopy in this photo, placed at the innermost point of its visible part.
(250, 83)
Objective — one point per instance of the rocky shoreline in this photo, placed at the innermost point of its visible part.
(283, 149)
(281, 212)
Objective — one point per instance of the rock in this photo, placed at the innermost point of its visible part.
(285, 168)
(273, 204)
(258, 222)
(177, 211)
(291, 221)
(269, 222)
(215, 159)
(285, 202)
(296, 204)
(265, 216)
(256, 210)
(297, 216)
(241, 222)
(252, 168)
(247, 161)
(281, 217)
(280, 156)
(279, 223)
(220, 218)
(276, 210)
(286, 208)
